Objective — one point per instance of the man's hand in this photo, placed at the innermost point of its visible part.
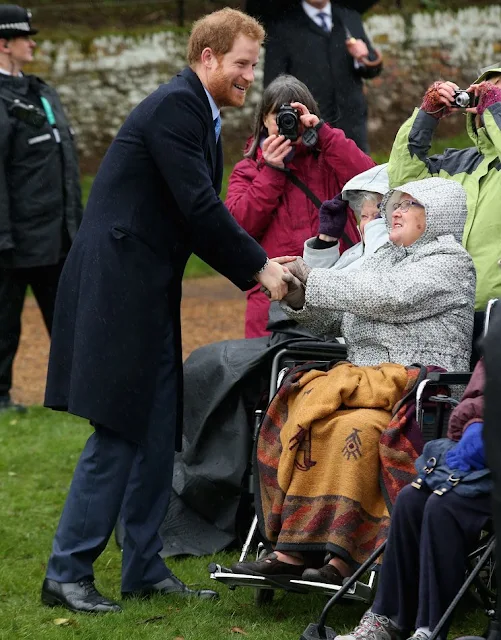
(357, 49)
(296, 292)
(307, 119)
(275, 148)
(271, 280)
(439, 99)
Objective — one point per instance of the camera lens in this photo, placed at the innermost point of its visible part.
(287, 121)
(462, 99)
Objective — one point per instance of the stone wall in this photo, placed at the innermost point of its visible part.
(100, 80)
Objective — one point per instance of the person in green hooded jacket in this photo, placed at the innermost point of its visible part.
(476, 168)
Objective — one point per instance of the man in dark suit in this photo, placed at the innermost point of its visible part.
(116, 351)
(324, 45)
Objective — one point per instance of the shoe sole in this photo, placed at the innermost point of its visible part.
(54, 601)
(146, 595)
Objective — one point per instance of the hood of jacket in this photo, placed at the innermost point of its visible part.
(480, 138)
(444, 202)
(374, 179)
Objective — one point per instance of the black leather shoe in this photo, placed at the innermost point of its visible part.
(6, 404)
(171, 585)
(79, 596)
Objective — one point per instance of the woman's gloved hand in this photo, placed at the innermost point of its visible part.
(332, 217)
(295, 295)
(438, 99)
(299, 268)
(488, 94)
(469, 453)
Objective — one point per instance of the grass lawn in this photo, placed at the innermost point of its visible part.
(38, 453)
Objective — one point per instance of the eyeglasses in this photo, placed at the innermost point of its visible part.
(405, 205)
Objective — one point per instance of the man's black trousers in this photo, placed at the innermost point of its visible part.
(13, 285)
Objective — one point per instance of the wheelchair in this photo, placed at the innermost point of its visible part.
(432, 416)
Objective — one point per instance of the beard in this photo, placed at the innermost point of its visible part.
(222, 89)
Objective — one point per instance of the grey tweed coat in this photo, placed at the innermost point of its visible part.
(405, 304)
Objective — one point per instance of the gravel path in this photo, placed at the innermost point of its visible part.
(212, 310)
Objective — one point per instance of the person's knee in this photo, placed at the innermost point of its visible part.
(409, 500)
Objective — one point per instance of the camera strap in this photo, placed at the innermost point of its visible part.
(315, 199)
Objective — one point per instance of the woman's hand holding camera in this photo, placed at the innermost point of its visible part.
(439, 99)
(487, 93)
(275, 148)
(307, 119)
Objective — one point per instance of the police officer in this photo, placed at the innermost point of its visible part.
(40, 199)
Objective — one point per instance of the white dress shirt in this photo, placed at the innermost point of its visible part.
(312, 13)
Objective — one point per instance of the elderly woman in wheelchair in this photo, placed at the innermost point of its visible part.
(334, 455)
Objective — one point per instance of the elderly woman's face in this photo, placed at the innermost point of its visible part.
(368, 213)
(408, 221)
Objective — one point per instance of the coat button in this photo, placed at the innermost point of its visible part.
(499, 263)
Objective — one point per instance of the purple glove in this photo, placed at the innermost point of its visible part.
(332, 217)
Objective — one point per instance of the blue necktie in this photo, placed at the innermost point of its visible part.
(322, 17)
(217, 127)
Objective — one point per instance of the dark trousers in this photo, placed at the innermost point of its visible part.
(13, 285)
(425, 557)
(115, 476)
(491, 348)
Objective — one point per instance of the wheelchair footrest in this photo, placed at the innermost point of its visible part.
(359, 591)
(231, 579)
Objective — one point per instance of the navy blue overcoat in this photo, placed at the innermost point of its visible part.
(154, 201)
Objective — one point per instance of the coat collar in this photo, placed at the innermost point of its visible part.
(196, 85)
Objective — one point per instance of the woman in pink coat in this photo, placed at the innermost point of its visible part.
(268, 204)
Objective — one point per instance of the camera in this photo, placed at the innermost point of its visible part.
(462, 99)
(28, 113)
(288, 122)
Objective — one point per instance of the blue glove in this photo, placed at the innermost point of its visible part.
(468, 454)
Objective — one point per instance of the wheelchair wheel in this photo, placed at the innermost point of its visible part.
(484, 588)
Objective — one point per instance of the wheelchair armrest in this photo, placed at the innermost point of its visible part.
(449, 377)
(317, 346)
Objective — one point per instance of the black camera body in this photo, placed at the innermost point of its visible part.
(464, 99)
(28, 113)
(288, 122)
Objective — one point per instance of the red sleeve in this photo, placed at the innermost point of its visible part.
(342, 154)
(253, 195)
(471, 407)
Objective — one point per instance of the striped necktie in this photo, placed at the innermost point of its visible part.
(321, 15)
(217, 127)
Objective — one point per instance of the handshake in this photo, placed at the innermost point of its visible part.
(285, 279)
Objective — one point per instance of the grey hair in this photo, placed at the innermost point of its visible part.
(283, 90)
(356, 200)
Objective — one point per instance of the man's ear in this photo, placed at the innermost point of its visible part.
(208, 58)
(4, 45)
